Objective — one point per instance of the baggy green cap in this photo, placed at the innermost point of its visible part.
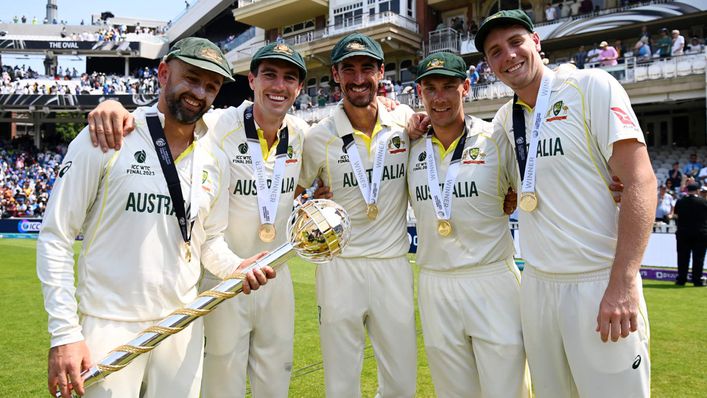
(279, 51)
(201, 53)
(441, 64)
(356, 44)
(501, 18)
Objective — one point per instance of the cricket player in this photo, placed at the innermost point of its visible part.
(469, 285)
(263, 144)
(264, 147)
(581, 285)
(361, 153)
(150, 213)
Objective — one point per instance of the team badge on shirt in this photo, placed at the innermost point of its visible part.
(396, 145)
(291, 158)
(473, 155)
(558, 111)
(205, 181)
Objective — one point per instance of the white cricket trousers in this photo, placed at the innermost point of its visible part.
(471, 325)
(356, 295)
(566, 355)
(250, 334)
(172, 369)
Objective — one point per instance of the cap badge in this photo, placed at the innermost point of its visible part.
(210, 54)
(355, 46)
(435, 63)
(283, 48)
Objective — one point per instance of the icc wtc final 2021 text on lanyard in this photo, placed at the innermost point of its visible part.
(369, 192)
(186, 221)
(268, 198)
(442, 200)
(528, 197)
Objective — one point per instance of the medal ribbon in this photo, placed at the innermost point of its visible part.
(442, 200)
(169, 171)
(267, 198)
(527, 166)
(369, 192)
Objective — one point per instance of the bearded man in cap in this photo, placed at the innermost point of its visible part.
(361, 152)
(151, 214)
(581, 283)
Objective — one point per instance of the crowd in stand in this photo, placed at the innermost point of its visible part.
(26, 81)
(675, 186)
(26, 179)
(107, 32)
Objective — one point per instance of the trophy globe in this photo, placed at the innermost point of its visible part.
(318, 230)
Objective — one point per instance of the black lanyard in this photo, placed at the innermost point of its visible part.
(519, 136)
(170, 175)
(252, 134)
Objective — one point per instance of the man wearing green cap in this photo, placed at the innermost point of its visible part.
(162, 198)
(254, 334)
(581, 285)
(263, 142)
(361, 153)
(469, 286)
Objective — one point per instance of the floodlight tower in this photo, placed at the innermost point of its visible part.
(51, 10)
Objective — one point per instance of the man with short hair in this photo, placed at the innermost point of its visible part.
(692, 167)
(469, 285)
(361, 152)
(165, 169)
(664, 43)
(691, 236)
(582, 255)
(666, 204)
(253, 335)
(678, 42)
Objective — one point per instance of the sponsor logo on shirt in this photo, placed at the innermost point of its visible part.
(243, 158)
(421, 163)
(623, 117)
(205, 181)
(65, 169)
(140, 156)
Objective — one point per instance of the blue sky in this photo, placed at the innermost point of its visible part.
(75, 10)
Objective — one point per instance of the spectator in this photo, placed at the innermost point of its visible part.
(586, 7)
(607, 55)
(580, 58)
(24, 19)
(675, 176)
(473, 28)
(678, 43)
(665, 206)
(702, 175)
(691, 235)
(336, 94)
(695, 46)
(304, 101)
(565, 10)
(664, 43)
(670, 187)
(693, 167)
(620, 50)
(550, 12)
(321, 98)
(574, 8)
(643, 51)
(594, 55)
(645, 35)
(546, 60)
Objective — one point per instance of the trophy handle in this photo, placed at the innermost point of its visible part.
(175, 322)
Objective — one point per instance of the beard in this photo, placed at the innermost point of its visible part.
(359, 100)
(180, 113)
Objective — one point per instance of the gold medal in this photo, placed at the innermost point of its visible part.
(187, 253)
(444, 227)
(528, 201)
(266, 232)
(372, 211)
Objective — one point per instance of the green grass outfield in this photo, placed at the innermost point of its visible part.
(678, 319)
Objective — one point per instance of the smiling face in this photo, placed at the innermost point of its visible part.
(188, 91)
(275, 86)
(443, 99)
(513, 55)
(358, 77)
